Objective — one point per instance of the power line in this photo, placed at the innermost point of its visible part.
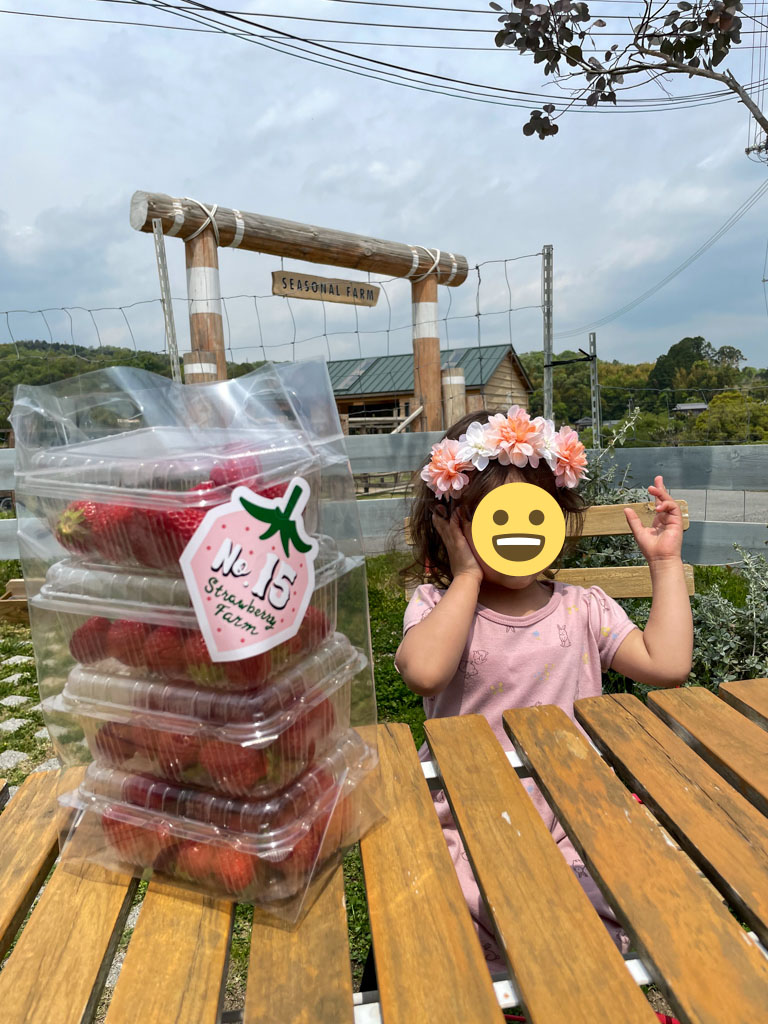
(636, 105)
(445, 84)
(247, 16)
(726, 93)
(109, 21)
(733, 219)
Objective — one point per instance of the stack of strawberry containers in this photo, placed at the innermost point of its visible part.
(196, 612)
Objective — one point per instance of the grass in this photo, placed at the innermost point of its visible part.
(394, 701)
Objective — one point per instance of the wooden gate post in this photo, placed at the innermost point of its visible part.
(204, 291)
(454, 394)
(426, 354)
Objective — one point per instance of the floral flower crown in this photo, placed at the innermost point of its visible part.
(515, 440)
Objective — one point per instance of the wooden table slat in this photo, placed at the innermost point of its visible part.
(413, 896)
(59, 964)
(715, 825)
(4, 793)
(750, 697)
(180, 942)
(558, 951)
(696, 951)
(724, 738)
(302, 974)
(29, 844)
(620, 580)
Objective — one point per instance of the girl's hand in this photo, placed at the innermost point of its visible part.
(463, 562)
(663, 539)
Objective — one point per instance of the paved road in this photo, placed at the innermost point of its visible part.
(726, 506)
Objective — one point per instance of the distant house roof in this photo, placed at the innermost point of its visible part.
(691, 407)
(378, 375)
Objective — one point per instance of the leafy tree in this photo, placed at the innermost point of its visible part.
(690, 385)
(733, 417)
(685, 38)
(682, 355)
(43, 362)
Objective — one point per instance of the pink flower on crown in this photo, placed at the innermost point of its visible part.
(571, 458)
(445, 470)
(515, 436)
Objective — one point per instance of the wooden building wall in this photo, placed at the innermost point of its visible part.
(506, 387)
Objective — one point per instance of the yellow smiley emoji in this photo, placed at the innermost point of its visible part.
(518, 529)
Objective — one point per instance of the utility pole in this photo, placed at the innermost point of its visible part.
(594, 387)
(546, 310)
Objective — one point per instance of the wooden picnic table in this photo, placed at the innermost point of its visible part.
(686, 872)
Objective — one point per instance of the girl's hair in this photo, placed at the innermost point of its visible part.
(430, 559)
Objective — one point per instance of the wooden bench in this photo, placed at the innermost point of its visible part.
(621, 580)
(562, 964)
(13, 603)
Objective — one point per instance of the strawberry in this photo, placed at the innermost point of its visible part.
(110, 532)
(74, 526)
(136, 840)
(234, 769)
(126, 640)
(176, 751)
(236, 469)
(296, 866)
(314, 628)
(200, 667)
(114, 743)
(164, 651)
(178, 526)
(249, 674)
(88, 643)
(195, 861)
(308, 735)
(145, 792)
(233, 869)
(273, 491)
(146, 538)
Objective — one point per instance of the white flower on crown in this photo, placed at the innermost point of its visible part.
(547, 441)
(476, 447)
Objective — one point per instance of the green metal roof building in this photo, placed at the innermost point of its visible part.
(375, 394)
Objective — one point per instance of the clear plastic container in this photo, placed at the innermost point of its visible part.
(249, 744)
(137, 498)
(263, 852)
(144, 621)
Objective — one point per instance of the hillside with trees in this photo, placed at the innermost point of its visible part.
(691, 371)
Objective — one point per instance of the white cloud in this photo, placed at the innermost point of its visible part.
(624, 198)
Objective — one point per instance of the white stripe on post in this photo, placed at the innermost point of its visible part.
(425, 320)
(239, 230)
(178, 218)
(204, 290)
(199, 367)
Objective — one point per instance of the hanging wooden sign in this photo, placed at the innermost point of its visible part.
(324, 289)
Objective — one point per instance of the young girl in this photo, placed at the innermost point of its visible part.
(477, 641)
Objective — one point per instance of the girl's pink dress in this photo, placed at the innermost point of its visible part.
(553, 656)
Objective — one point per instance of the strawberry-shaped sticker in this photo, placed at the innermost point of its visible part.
(250, 570)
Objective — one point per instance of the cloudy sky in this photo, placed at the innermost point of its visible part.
(99, 110)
